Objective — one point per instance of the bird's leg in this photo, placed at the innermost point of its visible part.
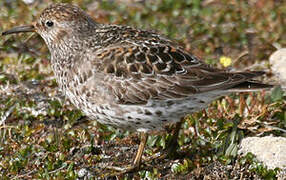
(171, 150)
(173, 143)
(137, 161)
(171, 146)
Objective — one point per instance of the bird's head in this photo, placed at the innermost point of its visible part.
(57, 22)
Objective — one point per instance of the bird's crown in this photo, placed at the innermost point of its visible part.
(63, 12)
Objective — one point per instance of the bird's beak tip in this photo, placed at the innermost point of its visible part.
(19, 29)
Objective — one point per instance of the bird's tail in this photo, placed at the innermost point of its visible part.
(250, 86)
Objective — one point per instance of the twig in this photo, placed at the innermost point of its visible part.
(23, 175)
(51, 172)
(7, 114)
(244, 53)
(276, 128)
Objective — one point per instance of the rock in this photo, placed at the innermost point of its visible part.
(278, 65)
(83, 173)
(28, 1)
(269, 150)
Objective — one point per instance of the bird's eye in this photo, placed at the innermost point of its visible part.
(49, 23)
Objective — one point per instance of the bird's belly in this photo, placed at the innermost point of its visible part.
(150, 117)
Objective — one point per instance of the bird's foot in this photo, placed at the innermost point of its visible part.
(168, 153)
(122, 170)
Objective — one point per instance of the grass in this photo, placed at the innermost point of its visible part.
(43, 137)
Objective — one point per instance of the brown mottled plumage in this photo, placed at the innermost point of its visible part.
(126, 77)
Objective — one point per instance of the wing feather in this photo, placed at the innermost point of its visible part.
(138, 72)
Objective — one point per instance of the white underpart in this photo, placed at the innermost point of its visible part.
(169, 113)
(152, 116)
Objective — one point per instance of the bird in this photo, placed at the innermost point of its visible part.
(129, 78)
